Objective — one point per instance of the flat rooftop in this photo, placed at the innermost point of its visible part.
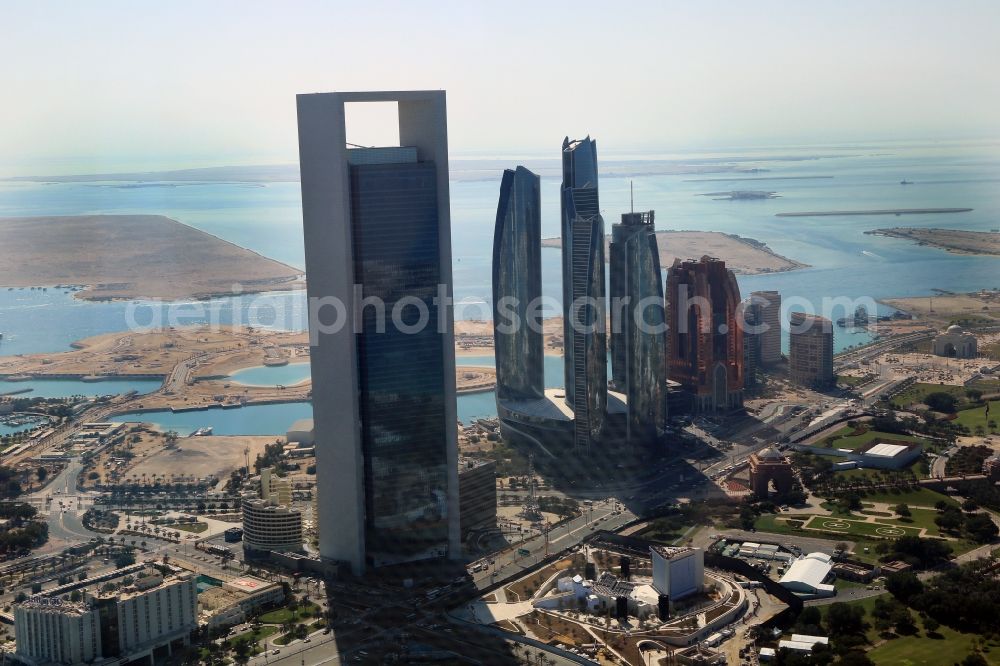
(671, 552)
(55, 604)
(472, 463)
(884, 450)
(249, 585)
(553, 406)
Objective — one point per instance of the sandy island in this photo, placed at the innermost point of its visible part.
(942, 308)
(874, 211)
(744, 256)
(952, 240)
(194, 363)
(132, 256)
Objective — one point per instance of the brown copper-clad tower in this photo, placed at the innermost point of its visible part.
(705, 338)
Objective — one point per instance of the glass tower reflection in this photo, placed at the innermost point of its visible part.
(584, 307)
(400, 370)
(517, 284)
(638, 352)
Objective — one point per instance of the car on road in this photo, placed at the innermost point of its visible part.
(273, 652)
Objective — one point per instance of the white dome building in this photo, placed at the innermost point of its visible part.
(956, 342)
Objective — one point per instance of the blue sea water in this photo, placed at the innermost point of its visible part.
(262, 375)
(844, 261)
(276, 419)
(65, 388)
(10, 429)
(251, 420)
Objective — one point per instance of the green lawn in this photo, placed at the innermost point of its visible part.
(976, 417)
(767, 523)
(851, 528)
(282, 615)
(919, 650)
(915, 497)
(916, 468)
(919, 518)
(844, 584)
(863, 535)
(867, 603)
(918, 392)
(843, 439)
(850, 380)
(278, 616)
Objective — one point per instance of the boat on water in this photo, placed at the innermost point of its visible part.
(202, 432)
(906, 182)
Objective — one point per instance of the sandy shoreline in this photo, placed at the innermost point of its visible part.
(744, 256)
(956, 241)
(874, 211)
(195, 365)
(941, 309)
(130, 257)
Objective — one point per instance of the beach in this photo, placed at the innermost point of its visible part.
(956, 241)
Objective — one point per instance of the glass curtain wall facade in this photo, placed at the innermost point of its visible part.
(705, 340)
(584, 306)
(377, 230)
(638, 353)
(753, 318)
(394, 211)
(517, 284)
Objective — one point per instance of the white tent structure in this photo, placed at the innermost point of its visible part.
(806, 575)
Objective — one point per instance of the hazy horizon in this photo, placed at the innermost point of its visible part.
(104, 88)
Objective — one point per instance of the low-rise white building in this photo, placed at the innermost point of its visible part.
(114, 625)
(802, 642)
(955, 342)
(56, 631)
(235, 600)
(805, 576)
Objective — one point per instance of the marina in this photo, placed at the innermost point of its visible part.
(14, 423)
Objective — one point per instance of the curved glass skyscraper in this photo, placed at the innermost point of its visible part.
(584, 307)
(638, 352)
(517, 283)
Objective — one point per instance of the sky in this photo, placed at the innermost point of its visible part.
(103, 86)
